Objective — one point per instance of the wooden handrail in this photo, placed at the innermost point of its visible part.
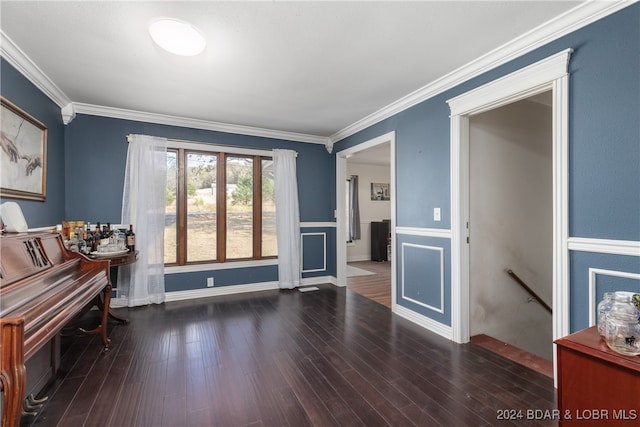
(529, 290)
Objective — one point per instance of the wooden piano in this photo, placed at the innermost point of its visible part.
(43, 286)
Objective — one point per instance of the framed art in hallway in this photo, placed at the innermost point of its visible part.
(380, 191)
(23, 155)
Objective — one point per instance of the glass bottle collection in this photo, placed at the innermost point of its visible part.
(619, 322)
(82, 237)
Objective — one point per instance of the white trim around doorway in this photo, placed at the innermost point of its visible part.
(341, 220)
(550, 73)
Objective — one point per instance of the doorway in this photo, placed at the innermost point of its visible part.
(549, 74)
(361, 160)
(511, 225)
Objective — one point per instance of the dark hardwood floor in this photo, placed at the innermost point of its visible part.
(284, 358)
(376, 287)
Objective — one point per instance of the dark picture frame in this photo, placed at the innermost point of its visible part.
(23, 154)
(380, 191)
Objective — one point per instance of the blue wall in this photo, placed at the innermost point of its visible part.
(86, 162)
(85, 176)
(21, 92)
(96, 152)
(604, 163)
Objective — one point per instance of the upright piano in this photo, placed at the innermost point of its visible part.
(43, 287)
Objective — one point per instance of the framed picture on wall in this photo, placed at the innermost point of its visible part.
(23, 159)
(380, 191)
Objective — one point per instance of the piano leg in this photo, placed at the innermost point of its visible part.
(13, 375)
(100, 302)
(105, 317)
(101, 329)
(117, 318)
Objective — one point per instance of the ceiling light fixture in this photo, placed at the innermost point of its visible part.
(177, 37)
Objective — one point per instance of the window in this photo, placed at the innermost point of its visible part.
(220, 206)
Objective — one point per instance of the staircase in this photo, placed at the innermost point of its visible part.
(531, 361)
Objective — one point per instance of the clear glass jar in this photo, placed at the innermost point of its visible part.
(603, 309)
(622, 329)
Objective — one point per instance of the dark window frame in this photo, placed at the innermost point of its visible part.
(221, 206)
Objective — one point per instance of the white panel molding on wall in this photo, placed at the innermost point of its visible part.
(324, 249)
(593, 278)
(440, 252)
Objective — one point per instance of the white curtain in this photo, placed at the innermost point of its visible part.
(287, 218)
(143, 206)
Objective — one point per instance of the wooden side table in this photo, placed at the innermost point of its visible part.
(115, 262)
(596, 385)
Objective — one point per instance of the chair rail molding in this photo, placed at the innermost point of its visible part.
(605, 246)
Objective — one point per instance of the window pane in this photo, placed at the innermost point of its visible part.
(239, 207)
(170, 222)
(269, 242)
(201, 207)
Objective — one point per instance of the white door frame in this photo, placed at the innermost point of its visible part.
(341, 219)
(548, 74)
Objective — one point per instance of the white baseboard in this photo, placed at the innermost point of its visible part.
(359, 258)
(425, 322)
(239, 289)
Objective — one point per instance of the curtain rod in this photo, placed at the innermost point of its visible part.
(208, 144)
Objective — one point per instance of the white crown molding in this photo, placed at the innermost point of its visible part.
(572, 20)
(25, 66)
(68, 113)
(163, 119)
(578, 17)
(520, 84)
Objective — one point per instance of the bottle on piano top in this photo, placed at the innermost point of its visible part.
(104, 236)
(92, 242)
(131, 238)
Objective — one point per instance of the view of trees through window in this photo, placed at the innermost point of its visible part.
(223, 215)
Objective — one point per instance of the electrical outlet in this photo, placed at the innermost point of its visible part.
(209, 282)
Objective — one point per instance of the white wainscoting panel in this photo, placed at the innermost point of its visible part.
(440, 253)
(324, 250)
(593, 278)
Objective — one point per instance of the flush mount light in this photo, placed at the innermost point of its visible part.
(177, 37)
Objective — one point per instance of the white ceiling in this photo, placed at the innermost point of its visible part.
(312, 68)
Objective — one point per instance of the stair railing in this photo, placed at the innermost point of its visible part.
(531, 292)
